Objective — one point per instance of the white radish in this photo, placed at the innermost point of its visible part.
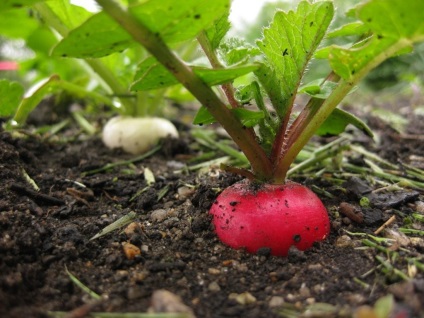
(136, 135)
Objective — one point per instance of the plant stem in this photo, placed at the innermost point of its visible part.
(316, 112)
(216, 64)
(185, 75)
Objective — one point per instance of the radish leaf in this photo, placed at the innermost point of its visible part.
(235, 51)
(34, 97)
(152, 75)
(249, 118)
(354, 28)
(15, 24)
(101, 35)
(214, 77)
(10, 97)
(289, 44)
(318, 90)
(398, 25)
(13, 4)
(336, 123)
(203, 117)
(70, 15)
(218, 30)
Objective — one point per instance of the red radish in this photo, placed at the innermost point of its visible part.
(255, 216)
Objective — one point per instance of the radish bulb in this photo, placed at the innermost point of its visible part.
(253, 216)
(136, 135)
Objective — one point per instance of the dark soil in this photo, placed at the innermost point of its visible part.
(47, 232)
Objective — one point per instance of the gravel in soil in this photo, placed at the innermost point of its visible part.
(167, 256)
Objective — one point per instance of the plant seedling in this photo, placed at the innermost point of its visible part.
(272, 135)
(265, 210)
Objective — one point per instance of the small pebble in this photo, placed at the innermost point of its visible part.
(214, 271)
(310, 301)
(122, 273)
(158, 215)
(315, 267)
(175, 164)
(304, 291)
(419, 206)
(242, 267)
(134, 292)
(132, 228)
(130, 250)
(184, 192)
(164, 301)
(245, 298)
(276, 301)
(214, 287)
(138, 277)
(344, 241)
(319, 288)
(346, 221)
(355, 299)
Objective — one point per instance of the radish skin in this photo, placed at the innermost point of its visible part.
(136, 135)
(255, 216)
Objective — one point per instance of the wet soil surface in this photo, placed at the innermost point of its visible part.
(169, 244)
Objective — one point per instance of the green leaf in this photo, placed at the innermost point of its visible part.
(17, 24)
(98, 36)
(70, 15)
(10, 96)
(272, 86)
(394, 18)
(214, 77)
(235, 51)
(244, 94)
(203, 117)
(318, 90)
(41, 41)
(15, 4)
(34, 97)
(355, 28)
(289, 44)
(174, 22)
(396, 27)
(152, 75)
(177, 21)
(247, 117)
(336, 123)
(217, 31)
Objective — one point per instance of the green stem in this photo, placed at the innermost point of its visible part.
(107, 78)
(113, 83)
(216, 64)
(185, 75)
(317, 115)
(80, 91)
